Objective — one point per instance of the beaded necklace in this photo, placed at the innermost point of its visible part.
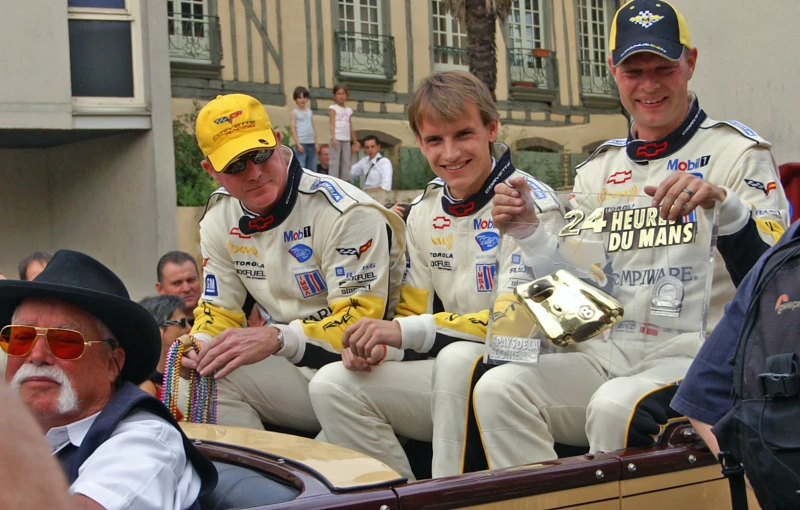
(202, 403)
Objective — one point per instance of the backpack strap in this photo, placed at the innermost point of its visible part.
(781, 379)
(733, 470)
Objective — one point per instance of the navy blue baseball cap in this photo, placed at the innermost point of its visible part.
(653, 26)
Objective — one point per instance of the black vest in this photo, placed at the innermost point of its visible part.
(128, 399)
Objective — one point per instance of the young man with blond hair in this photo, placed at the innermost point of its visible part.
(446, 292)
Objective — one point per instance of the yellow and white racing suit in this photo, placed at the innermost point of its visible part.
(522, 410)
(322, 258)
(446, 293)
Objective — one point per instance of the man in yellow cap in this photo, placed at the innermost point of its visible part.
(685, 161)
(316, 253)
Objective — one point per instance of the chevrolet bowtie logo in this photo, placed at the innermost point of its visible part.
(651, 150)
(261, 223)
(462, 209)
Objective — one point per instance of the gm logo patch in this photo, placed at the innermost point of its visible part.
(487, 240)
(339, 271)
(301, 252)
(311, 283)
(516, 258)
(484, 275)
(211, 286)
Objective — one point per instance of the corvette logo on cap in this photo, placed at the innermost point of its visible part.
(228, 118)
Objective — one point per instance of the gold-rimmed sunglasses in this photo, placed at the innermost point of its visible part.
(65, 344)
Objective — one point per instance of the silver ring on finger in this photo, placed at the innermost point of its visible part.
(690, 192)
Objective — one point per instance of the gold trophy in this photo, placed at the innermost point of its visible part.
(568, 310)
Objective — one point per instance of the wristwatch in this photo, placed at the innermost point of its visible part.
(280, 340)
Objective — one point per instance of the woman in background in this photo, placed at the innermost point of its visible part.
(173, 322)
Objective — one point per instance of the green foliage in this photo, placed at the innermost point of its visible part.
(286, 135)
(192, 183)
(576, 159)
(414, 172)
(545, 166)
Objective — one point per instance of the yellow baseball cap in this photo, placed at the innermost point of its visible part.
(232, 125)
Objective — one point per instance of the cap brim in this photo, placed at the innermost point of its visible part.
(670, 50)
(221, 157)
(134, 327)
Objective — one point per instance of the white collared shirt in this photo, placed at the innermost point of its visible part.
(378, 172)
(141, 466)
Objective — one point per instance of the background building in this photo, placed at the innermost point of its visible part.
(86, 159)
(747, 66)
(556, 97)
(89, 89)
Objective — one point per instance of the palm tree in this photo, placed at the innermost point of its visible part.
(480, 19)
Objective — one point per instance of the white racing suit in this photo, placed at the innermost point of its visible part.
(323, 257)
(446, 293)
(587, 396)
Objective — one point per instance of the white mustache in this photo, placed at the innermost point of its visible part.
(67, 399)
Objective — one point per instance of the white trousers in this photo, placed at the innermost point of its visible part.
(452, 376)
(365, 411)
(273, 391)
(567, 398)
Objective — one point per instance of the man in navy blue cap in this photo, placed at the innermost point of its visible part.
(683, 160)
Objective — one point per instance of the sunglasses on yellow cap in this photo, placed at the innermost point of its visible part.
(240, 163)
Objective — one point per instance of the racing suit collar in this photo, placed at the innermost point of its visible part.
(251, 223)
(642, 151)
(502, 170)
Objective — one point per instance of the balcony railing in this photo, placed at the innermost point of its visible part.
(596, 79)
(449, 57)
(194, 39)
(365, 54)
(533, 68)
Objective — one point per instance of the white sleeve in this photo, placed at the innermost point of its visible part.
(142, 465)
(385, 167)
(756, 185)
(358, 168)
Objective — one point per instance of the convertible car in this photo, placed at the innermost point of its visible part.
(605, 257)
(269, 470)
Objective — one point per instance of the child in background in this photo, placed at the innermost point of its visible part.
(341, 134)
(303, 132)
